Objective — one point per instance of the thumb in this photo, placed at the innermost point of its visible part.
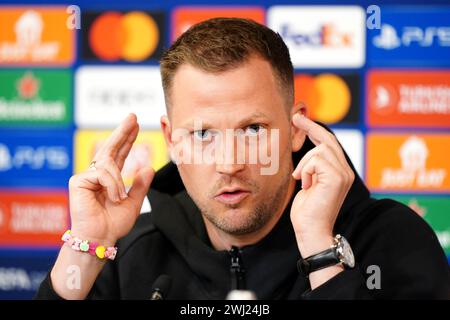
(140, 186)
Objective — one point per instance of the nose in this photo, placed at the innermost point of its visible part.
(229, 162)
(229, 169)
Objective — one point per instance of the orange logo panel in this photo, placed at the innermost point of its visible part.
(408, 98)
(184, 17)
(33, 218)
(35, 36)
(403, 162)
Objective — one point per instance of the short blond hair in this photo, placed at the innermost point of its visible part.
(220, 44)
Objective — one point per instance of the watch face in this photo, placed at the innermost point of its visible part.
(345, 252)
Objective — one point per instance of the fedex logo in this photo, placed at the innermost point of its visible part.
(321, 36)
(327, 35)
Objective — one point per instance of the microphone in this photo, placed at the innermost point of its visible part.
(161, 287)
(241, 295)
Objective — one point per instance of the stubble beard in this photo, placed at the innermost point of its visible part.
(254, 220)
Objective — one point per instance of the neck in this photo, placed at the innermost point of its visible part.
(221, 240)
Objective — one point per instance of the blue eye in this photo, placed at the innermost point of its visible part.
(202, 135)
(253, 129)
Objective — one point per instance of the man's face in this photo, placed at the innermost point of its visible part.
(236, 197)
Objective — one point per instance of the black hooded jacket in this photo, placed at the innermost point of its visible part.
(386, 237)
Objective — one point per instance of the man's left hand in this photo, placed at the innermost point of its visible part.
(326, 179)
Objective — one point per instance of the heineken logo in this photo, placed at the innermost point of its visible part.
(28, 86)
(35, 97)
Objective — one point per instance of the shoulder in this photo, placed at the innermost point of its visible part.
(404, 247)
(391, 215)
(390, 224)
(391, 234)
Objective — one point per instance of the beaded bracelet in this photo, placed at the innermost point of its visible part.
(92, 248)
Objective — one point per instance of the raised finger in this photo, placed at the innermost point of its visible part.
(124, 150)
(318, 134)
(118, 138)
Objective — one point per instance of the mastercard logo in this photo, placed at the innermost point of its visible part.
(327, 96)
(132, 36)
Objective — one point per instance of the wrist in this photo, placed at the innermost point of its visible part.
(81, 258)
(314, 243)
(319, 277)
(88, 246)
(91, 237)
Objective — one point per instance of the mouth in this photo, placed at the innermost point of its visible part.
(231, 196)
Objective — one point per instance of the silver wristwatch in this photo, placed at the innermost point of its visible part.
(339, 252)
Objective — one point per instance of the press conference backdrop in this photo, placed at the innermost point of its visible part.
(379, 76)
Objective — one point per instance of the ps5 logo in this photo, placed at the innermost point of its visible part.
(53, 157)
(390, 39)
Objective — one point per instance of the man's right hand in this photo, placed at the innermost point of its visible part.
(100, 207)
(101, 211)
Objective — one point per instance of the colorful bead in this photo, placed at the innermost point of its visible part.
(92, 248)
(66, 236)
(84, 246)
(110, 253)
(76, 244)
(70, 241)
(100, 252)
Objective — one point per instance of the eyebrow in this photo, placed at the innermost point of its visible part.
(252, 118)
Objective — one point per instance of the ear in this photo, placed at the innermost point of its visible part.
(167, 131)
(297, 136)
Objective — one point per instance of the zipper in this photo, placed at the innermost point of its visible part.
(237, 269)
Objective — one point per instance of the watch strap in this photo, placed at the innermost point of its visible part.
(318, 261)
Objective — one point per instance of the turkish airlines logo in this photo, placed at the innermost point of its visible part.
(2, 219)
(384, 99)
(37, 217)
(409, 98)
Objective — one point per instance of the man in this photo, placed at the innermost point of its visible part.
(220, 225)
